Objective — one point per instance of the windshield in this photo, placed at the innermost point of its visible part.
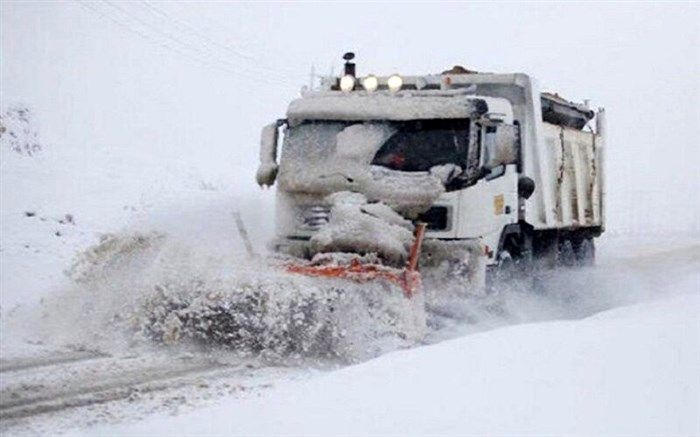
(419, 145)
(415, 145)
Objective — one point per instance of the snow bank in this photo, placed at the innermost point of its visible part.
(629, 371)
(18, 131)
(140, 288)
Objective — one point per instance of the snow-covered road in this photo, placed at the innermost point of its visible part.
(614, 349)
(65, 381)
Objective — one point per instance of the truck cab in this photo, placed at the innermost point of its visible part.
(490, 163)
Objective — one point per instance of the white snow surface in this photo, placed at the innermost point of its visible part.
(628, 371)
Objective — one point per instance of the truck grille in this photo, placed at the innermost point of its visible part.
(314, 216)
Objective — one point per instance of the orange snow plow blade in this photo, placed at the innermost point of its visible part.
(408, 279)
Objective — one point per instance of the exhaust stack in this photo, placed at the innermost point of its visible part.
(349, 66)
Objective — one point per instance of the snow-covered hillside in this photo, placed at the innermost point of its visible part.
(56, 201)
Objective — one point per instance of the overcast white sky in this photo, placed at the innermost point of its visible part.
(198, 80)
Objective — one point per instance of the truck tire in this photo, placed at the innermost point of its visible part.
(502, 274)
(507, 269)
(514, 273)
(545, 252)
(567, 254)
(584, 250)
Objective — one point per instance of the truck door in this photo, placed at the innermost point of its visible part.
(492, 202)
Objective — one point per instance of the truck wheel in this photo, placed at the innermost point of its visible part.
(585, 252)
(506, 267)
(502, 273)
(514, 273)
(545, 253)
(567, 254)
(510, 269)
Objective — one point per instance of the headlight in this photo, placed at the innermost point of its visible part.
(347, 83)
(370, 83)
(394, 83)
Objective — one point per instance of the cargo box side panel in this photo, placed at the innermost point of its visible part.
(575, 178)
(542, 211)
(587, 164)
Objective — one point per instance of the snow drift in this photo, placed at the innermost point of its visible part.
(143, 287)
(629, 371)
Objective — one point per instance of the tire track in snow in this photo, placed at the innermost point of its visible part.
(38, 388)
(7, 366)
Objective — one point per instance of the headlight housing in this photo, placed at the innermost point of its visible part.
(347, 83)
(370, 83)
(395, 82)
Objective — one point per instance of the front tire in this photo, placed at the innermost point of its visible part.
(506, 271)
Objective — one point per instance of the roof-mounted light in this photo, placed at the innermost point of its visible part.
(370, 83)
(347, 83)
(395, 82)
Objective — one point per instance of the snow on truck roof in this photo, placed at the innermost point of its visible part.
(403, 105)
(447, 95)
(455, 93)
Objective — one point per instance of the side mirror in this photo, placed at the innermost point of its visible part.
(500, 145)
(267, 170)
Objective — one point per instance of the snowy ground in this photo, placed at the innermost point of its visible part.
(625, 371)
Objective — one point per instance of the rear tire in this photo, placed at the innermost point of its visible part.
(585, 252)
(567, 253)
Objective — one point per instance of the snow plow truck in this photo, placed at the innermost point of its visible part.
(380, 177)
